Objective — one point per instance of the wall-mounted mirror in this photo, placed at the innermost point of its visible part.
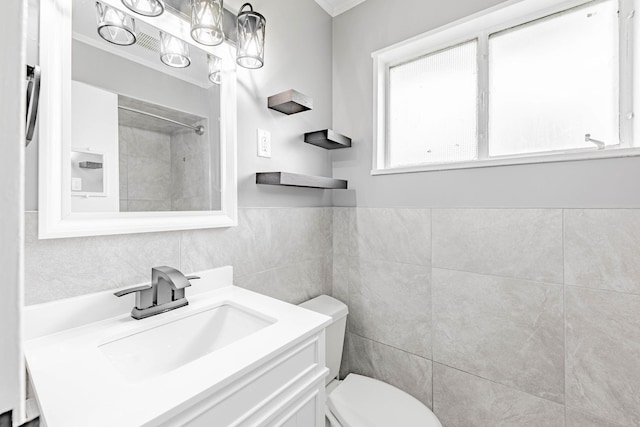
(138, 123)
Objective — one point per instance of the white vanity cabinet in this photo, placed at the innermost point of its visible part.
(285, 391)
(231, 357)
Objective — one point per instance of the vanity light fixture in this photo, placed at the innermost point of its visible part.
(251, 31)
(114, 26)
(206, 21)
(215, 68)
(145, 7)
(173, 51)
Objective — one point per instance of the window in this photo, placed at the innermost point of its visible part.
(533, 81)
(433, 103)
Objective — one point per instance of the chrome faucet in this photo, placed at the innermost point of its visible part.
(166, 292)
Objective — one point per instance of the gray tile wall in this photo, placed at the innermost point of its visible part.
(491, 317)
(144, 166)
(281, 252)
(496, 317)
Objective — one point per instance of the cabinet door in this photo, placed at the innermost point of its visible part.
(307, 411)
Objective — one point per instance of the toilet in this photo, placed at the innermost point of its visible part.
(359, 401)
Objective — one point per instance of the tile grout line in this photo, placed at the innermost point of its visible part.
(537, 282)
(433, 406)
(500, 384)
(564, 318)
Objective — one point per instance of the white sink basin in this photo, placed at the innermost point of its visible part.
(88, 359)
(164, 348)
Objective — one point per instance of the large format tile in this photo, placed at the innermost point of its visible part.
(340, 282)
(392, 234)
(403, 370)
(602, 250)
(146, 143)
(391, 303)
(247, 247)
(341, 226)
(464, 400)
(293, 283)
(520, 243)
(507, 330)
(577, 418)
(148, 205)
(603, 354)
(148, 179)
(63, 268)
(300, 234)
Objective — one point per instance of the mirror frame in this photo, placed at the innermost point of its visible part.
(55, 219)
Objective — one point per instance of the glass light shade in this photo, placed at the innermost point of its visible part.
(173, 51)
(114, 26)
(215, 68)
(251, 31)
(206, 21)
(145, 7)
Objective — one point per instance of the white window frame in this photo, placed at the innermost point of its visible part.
(480, 26)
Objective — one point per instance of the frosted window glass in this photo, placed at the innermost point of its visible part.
(553, 81)
(433, 108)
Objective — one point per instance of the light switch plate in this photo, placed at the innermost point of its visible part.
(76, 184)
(264, 143)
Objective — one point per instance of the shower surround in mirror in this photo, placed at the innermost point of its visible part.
(165, 163)
(161, 171)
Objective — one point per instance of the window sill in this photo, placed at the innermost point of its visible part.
(510, 161)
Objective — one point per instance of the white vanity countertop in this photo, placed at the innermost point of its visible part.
(76, 385)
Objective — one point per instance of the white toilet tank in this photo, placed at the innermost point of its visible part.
(334, 334)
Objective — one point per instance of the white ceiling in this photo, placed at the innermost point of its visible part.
(336, 7)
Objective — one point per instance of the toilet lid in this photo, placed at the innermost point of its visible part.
(364, 402)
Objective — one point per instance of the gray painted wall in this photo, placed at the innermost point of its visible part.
(376, 24)
(298, 55)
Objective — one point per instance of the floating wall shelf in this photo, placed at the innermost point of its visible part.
(296, 180)
(328, 139)
(290, 102)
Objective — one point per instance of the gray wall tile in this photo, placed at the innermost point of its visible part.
(134, 205)
(507, 330)
(64, 268)
(403, 370)
(520, 243)
(602, 250)
(148, 179)
(340, 282)
(300, 234)
(247, 247)
(293, 283)
(603, 354)
(398, 235)
(345, 368)
(577, 418)
(464, 400)
(391, 303)
(341, 226)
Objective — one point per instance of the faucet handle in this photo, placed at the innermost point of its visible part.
(132, 290)
(193, 277)
(144, 295)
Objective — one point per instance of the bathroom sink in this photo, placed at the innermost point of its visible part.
(166, 347)
(88, 359)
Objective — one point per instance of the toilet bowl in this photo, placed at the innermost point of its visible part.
(360, 401)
